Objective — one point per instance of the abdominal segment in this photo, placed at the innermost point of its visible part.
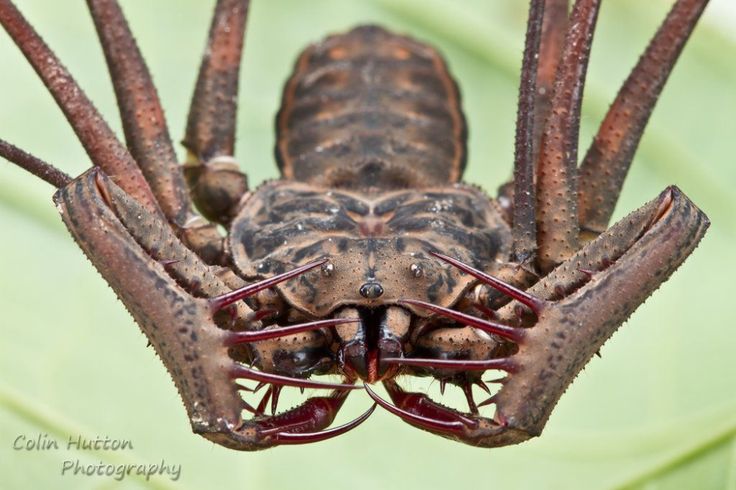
(371, 109)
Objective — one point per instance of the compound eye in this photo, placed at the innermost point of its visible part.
(371, 290)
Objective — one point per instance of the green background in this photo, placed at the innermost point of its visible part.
(657, 411)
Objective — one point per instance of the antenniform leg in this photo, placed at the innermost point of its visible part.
(192, 318)
(569, 315)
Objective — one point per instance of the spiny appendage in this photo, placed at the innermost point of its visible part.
(418, 409)
(296, 426)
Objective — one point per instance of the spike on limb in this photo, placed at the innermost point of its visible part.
(487, 402)
(468, 391)
(275, 398)
(483, 386)
(241, 371)
(536, 304)
(504, 363)
(250, 408)
(235, 338)
(219, 302)
(511, 333)
(261, 409)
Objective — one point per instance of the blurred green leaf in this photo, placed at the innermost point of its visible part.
(707, 460)
(656, 412)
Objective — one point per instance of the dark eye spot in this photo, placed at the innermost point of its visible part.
(371, 290)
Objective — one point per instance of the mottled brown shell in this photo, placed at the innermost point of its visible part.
(371, 144)
(377, 244)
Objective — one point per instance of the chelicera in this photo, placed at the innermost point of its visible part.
(369, 259)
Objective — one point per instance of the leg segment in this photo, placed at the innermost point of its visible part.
(103, 148)
(554, 27)
(146, 131)
(557, 217)
(34, 165)
(577, 307)
(177, 300)
(524, 211)
(545, 39)
(607, 162)
(216, 182)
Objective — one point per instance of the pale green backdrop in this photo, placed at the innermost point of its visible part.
(657, 411)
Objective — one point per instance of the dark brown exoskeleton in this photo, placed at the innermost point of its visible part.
(370, 258)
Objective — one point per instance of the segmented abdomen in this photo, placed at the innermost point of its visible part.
(371, 109)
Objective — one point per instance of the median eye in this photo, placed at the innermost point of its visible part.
(371, 290)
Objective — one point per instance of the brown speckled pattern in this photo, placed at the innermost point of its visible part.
(381, 238)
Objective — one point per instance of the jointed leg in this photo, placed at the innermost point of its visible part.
(103, 148)
(607, 162)
(545, 37)
(34, 165)
(554, 27)
(176, 298)
(146, 131)
(217, 183)
(557, 217)
(524, 209)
